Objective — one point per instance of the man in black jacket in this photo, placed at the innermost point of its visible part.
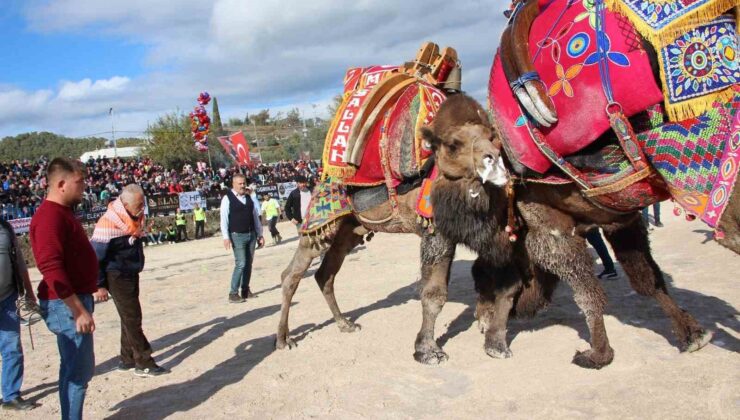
(120, 254)
(296, 207)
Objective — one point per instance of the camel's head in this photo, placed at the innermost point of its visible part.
(464, 144)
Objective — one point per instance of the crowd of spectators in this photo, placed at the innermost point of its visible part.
(23, 183)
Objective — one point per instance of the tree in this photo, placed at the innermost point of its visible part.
(262, 117)
(247, 121)
(217, 129)
(293, 119)
(37, 144)
(172, 143)
(334, 106)
(235, 122)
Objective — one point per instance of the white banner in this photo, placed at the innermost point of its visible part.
(21, 225)
(189, 199)
(284, 188)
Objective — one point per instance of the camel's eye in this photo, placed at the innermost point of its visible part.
(454, 146)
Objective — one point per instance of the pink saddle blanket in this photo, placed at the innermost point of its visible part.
(569, 70)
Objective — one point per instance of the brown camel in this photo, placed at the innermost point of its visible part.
(517, 61)
(437, 252)
(520, 276)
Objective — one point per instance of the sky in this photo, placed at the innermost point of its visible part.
(67, 62)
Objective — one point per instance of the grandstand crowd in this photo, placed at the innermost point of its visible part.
(23, 183)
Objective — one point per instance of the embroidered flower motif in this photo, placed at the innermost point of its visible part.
(615, 57)
(554, 42)
(564, 78)
(589, 13)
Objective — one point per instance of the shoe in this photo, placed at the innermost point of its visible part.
(236, 299)
(658, 224)
(125, 367)
(279, 238)
(19, 404)
(608, 274)
(151, 372)
(249, 294)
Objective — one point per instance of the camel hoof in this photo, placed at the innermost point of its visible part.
(589, 359)
(697, 343)
(498, 353)
(288, 343)
(431, 358)
(349, 327)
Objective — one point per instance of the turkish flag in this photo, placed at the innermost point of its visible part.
(237, 147)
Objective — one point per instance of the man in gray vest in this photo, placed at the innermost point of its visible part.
(242, 231)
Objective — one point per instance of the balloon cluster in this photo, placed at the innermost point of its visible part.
(200, 122)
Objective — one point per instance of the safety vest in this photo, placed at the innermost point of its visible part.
(199, 214)
(180, 220)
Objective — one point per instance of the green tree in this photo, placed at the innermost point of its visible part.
(37, 144)
(262, 117)
(217, 129)
(247, 121)
(334, 106)
(235, 122)
(172, 143)
(293, 118)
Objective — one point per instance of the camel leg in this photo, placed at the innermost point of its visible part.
(343, 243)
(496, 287)
(291, 277)
(632, 249)
(437, 254)
(729, 223)
(552, 247)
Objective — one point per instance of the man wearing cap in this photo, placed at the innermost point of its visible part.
(241, 229)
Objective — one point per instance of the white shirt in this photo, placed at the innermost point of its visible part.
(305, 201)
(225, 215)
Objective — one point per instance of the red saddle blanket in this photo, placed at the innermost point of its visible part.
(569, 70)
(394, 149)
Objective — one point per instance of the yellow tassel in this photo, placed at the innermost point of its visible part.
(678, 26)
(696, 106)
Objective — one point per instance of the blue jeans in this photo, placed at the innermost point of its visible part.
(10, 349)
(77, 363)
(243, 245)
(656, 214)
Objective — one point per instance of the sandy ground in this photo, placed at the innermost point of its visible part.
(224, 365)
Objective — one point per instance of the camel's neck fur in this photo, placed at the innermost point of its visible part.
(477, 222)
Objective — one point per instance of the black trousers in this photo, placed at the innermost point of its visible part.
(593, 237)
(200, 229)
(182, 233)
(135, 348)
(273, 227)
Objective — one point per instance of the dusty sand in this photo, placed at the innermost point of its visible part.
(224, 366)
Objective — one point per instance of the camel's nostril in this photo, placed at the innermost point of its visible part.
(488, 157)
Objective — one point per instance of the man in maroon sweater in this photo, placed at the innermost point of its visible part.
(69, 267)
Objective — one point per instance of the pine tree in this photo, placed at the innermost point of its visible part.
(216, 127)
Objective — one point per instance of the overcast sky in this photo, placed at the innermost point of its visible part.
(69, 61)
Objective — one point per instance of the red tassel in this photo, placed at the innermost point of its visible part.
(719, 235)
(690, 217)
(677, 211)
(512, 237)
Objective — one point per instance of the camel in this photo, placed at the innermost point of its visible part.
(532, 96)
(437, 252)
(520, 276)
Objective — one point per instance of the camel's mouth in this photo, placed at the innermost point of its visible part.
(493, 171)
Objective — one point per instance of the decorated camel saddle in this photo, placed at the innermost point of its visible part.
(375, 140)
(635, 101)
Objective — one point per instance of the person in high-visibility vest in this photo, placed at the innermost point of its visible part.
(199, 217)
(171, 233)
(271, 208)
(182, 226)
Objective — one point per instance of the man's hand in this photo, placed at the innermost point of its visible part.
(261, 241)
(227, 244)
(101, 295)
(84, 322)
(294, 221)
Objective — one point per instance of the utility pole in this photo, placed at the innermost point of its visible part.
(113, 133)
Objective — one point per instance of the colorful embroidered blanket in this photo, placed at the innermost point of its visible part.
(328, 203)
(699, 158)
(116, 223)
(567, 64)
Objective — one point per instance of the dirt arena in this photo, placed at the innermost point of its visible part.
(224, 364)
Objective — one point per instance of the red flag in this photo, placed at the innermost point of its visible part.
(237, 147)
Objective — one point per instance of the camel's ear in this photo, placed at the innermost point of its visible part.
(431, 141)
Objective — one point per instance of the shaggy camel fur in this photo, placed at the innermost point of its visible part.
(550, 246)
(437, 252)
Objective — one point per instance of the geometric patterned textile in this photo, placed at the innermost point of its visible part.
(701, 62)
(698, 158)
(328, 203)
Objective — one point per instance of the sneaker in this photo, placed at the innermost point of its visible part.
(125, 367)
(608, 274)
(19, 404)
(151, 372)
(658, 224)
(248, 295)
(235, 299)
